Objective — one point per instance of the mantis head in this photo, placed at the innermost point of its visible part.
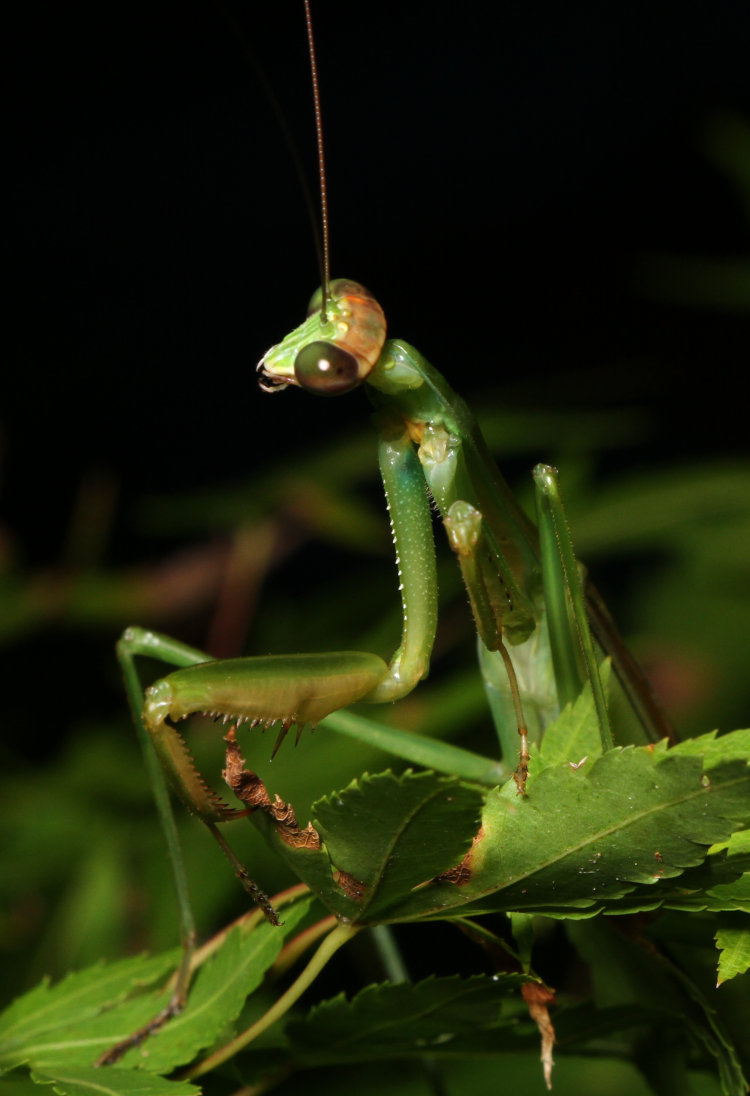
(334, 350)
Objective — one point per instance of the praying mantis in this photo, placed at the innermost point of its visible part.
(530, 843)
(524, 588)
(542, 629)
(543, 633)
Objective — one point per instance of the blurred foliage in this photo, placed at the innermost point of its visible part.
(84, 872)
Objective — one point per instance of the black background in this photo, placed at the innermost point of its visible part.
(495, 171)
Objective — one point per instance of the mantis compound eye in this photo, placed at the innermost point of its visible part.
(326, 369)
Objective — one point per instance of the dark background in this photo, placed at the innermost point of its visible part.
(502, 176)
(495, 173)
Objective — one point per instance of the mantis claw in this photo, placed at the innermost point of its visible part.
(286, 724)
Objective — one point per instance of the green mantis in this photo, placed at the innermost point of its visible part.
(531, 611)
(542, 633)
(549, 832)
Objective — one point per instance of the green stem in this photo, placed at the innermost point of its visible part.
(299, 944)
(340, 936)
(389, 954)
(419, 748)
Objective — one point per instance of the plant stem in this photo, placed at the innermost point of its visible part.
(328, 948)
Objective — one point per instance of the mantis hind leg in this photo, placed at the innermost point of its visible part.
(573, 655)
(551, 666)
(136, 642)
(582, 631)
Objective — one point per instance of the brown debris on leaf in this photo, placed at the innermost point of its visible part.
(351, 887)
(461, 874)
(538, 997)
(250, 790)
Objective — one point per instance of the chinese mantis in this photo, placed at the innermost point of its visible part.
(533, 616)
(543, 630)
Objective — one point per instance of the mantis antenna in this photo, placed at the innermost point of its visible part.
(324, 257)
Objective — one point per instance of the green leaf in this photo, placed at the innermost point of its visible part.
(87, 1081)
(396, 1021)
(38, 1016)
(522, 927)
(68, 1026)
(589, 834)
(383, 836)
(399, 832)
(221, 989)
(688, 893)
(733, 941)
(614, 832)
(721, 882)
(714, 748)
